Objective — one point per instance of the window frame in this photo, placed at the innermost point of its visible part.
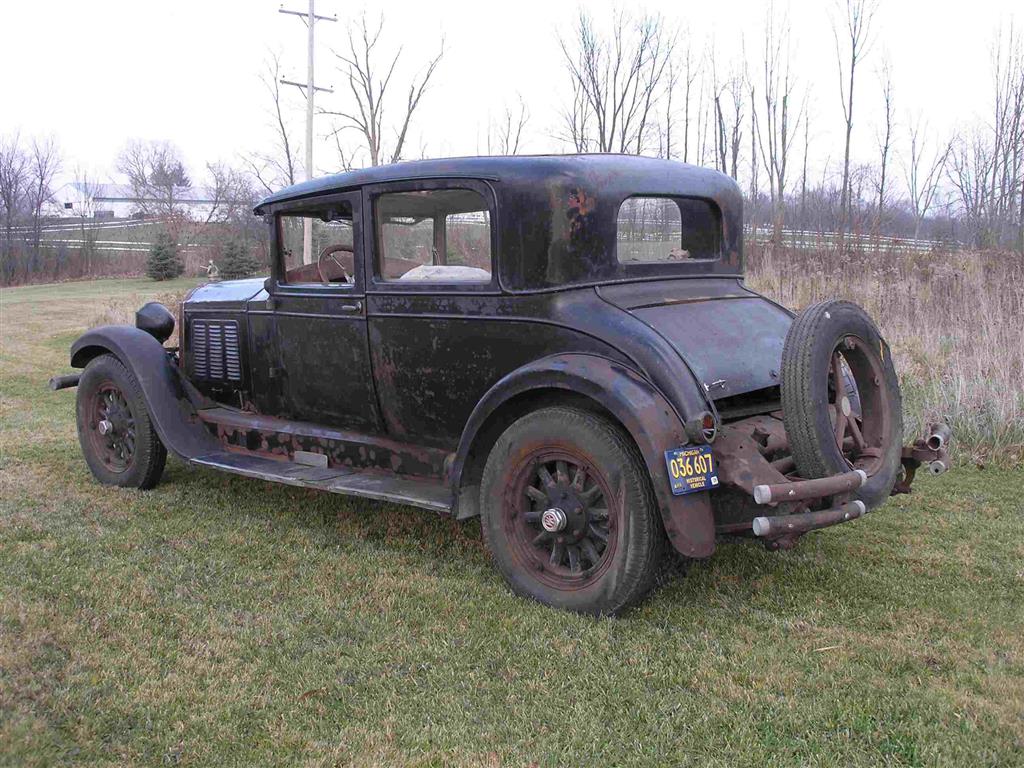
(296, 208)
(651, 266)
(372, 263)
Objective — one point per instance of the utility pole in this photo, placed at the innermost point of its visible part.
(309, 18)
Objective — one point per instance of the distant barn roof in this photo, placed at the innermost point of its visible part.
(123, 193)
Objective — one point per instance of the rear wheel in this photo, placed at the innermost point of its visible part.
(568, 513)
(117, 437)
(841, 398)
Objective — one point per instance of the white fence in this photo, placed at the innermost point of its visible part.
(807, 239)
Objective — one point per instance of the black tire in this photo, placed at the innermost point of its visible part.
(818, 335)
(131, 455)
(610, 574)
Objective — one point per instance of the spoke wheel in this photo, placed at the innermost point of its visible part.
(861, 417)
(119, 441)
(568, 513)
(561, 516)
(112, 428)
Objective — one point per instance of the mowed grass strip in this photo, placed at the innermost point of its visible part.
(223, 621)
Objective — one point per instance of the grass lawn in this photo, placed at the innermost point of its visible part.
(225, 621)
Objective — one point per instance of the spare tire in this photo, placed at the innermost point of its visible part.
(841, 398)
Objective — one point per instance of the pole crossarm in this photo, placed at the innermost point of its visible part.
(305, 16)
(304, 86)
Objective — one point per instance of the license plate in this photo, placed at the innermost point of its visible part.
(691, 469)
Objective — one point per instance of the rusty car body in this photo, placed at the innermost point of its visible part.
(563, 345)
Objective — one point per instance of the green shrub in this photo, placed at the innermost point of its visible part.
(237, 261)
(164, 262)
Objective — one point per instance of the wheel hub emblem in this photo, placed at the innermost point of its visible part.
(553, 520)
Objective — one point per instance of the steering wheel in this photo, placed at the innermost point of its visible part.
(328, 253)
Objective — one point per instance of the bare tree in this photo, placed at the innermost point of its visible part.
(884, 142)
(229, 193)
(682, 73)
(44, 163)
(856, 16)
(156, 175)
(85, 209)
(576, 119)
(504, 136)
(803, 171)
(616, 82)
(728, 103)
(14, 181)
(691, 75)
(278, 167)
(775, 137)
(754, 164)
(923, 172)
(370, 95)
(665, 135)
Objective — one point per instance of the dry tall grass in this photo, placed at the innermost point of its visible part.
(121, 310)
(955, 322)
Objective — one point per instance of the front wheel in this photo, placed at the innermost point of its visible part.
(568, 512)
(117, 437)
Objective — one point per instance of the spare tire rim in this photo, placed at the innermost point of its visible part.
(111, 428)
(860, 428)
(561, 518)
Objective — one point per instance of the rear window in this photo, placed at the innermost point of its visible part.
(667, 230)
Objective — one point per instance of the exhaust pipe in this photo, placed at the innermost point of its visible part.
(939, 438)
(63, 382)
(937, 467)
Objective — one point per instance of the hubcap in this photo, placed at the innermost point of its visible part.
(553, 520)
(111, 428)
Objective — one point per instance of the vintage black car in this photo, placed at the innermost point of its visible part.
(560, 345)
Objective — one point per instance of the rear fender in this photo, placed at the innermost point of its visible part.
(637, 405)
(170, 407)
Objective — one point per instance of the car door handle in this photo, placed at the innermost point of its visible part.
(355, 307)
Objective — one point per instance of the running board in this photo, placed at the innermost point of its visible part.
(367, 484)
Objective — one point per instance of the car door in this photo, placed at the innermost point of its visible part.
(319, 315)
(431, 286)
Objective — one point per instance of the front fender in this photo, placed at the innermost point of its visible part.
(637, 405)
(170, 408)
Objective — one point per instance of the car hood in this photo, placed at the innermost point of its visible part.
(729, 336)
(226, 292)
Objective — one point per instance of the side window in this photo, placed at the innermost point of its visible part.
(330, 257)
(664, 230)
(436, 235)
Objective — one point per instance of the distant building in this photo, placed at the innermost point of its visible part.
(119, 201)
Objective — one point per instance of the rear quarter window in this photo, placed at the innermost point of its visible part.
(667, 230)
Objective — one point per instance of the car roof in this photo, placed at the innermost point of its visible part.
(518, 167)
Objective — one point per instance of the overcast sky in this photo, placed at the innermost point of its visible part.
(97, 73)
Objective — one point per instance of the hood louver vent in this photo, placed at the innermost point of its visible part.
(215, 354)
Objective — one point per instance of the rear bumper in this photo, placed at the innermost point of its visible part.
(758, 476)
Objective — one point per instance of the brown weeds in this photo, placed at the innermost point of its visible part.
(954, 322)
